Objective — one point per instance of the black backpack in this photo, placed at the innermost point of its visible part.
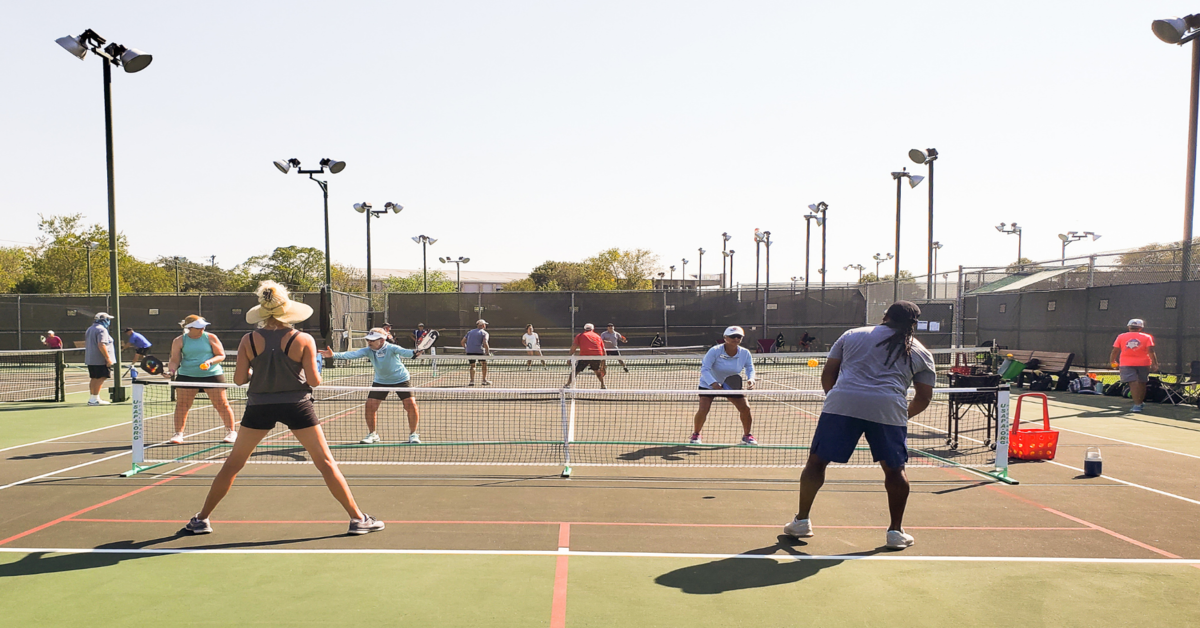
(1116, 389)
(1042, 382)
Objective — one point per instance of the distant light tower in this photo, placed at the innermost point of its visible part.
(729, 254)
(879, 259)
(365, 208)
(700, 271)
(334, 166)
(913, 181)
(1011, 230)
(725, 238)
(457, 266)
(425, 241)
(859, 267)
(927, 157)
(821, 208)
(1074, 236)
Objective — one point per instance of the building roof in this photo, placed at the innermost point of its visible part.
(468, 276)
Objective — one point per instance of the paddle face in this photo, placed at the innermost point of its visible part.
(152, 365)
(733, 382)
(426, 342)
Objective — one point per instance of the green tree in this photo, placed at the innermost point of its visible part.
(300, 268)
(438, 282)
(520, 285)
(1018, 265)
(14, 263)
(59, 261)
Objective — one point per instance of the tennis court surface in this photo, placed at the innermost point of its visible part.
(470, 542)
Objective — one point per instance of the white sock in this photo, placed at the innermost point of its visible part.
(93, 398)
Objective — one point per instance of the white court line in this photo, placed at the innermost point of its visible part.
(50, 440)
(1146, 488)
(78, 466)
(1115, 440)
(776, 557)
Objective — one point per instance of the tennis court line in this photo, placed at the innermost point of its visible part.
(563, 540)
(558, 607)
(99, 505)
(1117, 440)
(51, 440)
(52, 473)
(1128, 483)
(1187, 562)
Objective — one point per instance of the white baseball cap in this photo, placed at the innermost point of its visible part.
(374, 335)
(1135, 322)
(734, 330)
(588, 327)
(481, 322)
(102, 316)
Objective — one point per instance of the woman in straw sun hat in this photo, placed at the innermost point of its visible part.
(280, 364)
(196, 357)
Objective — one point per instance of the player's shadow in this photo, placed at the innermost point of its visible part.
(667, 452)
(36, 563)
(740, 572)
(95, 451)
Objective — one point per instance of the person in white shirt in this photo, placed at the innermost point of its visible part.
(612, 339)
(722, 361)
(533, 346)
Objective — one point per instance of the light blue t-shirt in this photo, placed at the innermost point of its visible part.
(95, 336)
(475, 339)
(389, 370)
(867, 387)
(718, 364)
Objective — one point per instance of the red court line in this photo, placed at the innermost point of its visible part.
(558, 608)
(600, 523)
(1064, 515)
(100, 505)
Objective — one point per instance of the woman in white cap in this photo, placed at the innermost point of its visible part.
(196, 356)
(389, 373)
(721, 362)
(533, 346)
(280, 364)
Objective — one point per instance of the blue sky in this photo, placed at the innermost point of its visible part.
(516, 132)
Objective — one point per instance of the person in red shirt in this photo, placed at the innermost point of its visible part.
(1137, 358)
(588, 343)
(52, 341)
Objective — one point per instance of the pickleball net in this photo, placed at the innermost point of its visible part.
(569, 428)
(37, 375)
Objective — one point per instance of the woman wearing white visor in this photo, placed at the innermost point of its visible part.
(389, 373)
(721, 367)
(196, 356)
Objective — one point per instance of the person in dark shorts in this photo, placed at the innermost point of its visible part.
(588, 343)
(866, 379)
(99, 356)
(141, 345)
(720, 362)
(196, 357)
(389, 373)
(612, 341)
(476, 343)
(417, 333)
(1134, 356)
(280, 364)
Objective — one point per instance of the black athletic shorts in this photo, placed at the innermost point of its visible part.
(100, 371)
(296, 416)
(207, 379)
(611, 352)
(595, 365)
(383, 394)
(474, 361)
(143, 351)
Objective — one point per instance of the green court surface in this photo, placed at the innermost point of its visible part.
(612, 546)
(22, 423)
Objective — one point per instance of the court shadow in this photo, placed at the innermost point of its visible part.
(736, 573)
(95, 451)
(117, 552)
(668, 452)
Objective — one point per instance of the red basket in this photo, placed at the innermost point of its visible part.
(1032, 444)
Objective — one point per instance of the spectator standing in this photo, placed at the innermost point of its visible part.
(99, 356)
(1133, 353)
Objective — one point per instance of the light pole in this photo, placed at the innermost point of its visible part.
(927, 157)
(808, 218)
(683, 273)
(794, 280)
(334, 167)
(913, 181)
(365, 209)
(91, 246)
(757, 259)
(1012, 229)
(131, 60)
(729, 254)
(858, 267)
(1180, 31)
(700, 271)
(935, 247)
(424, 241)
(661, 284)
(672, 274)
(821, 208)
(879, 259)
(176, 259)
(1074, 236)
(457, 268)
(725, 238)
(766, 239)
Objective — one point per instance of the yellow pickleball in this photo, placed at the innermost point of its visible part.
(813, 362)
(204, 366)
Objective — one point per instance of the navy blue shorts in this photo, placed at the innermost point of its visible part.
(838, 435)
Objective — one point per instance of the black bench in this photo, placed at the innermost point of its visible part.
(1056, 364)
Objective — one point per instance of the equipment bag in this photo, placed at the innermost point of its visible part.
(1040, 382)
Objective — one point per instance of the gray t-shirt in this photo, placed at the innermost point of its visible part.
(95, 335)
(867, 387)
(475, 339)
(610, 339)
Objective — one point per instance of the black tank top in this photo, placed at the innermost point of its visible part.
(275, 377)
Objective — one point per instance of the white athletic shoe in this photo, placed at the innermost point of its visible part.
(177, 438)
(898, 540)
(230, 437)
(414, 438)
(485, 383)
(695, 439)
(99, 402)
(800, 528)
(371, 438)
(471, 383)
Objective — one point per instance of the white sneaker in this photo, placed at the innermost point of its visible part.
(230, 437)
(371, 438)
(898, 540)
(485, 383)
(99, 402)
(471, 383)
(800, 528)
(695, 439)
(177, 438)
(414, 438)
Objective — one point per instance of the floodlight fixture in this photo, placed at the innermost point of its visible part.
(73, 45)
(285, 165)
(923, 156)
(396, 208)
(334, 165)
(362, 207)
(1176, 30)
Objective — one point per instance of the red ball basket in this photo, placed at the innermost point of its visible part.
(1032, 444)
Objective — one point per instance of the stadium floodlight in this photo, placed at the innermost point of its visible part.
(362, 208)
(913, 181)
(725, 238)
(285, 165)
(879, 259)
(424, 241)
(821, 216)
(395, 207)
(131, 60)
(1176, 30)
(1074, 236)
(334, 167)
(458, 266)
(1012, 229)
(927, 157)
(366, 208)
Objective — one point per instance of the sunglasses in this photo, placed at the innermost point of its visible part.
(734, 336)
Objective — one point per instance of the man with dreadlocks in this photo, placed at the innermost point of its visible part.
(866, 380)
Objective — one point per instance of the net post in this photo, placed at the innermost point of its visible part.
(60, 380)
(138, 428)
(1002, 425)
(566, 431)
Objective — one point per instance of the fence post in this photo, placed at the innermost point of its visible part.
(959, 303)
(572, 315)
(1091, 271)
(20, 331)
(666, 336)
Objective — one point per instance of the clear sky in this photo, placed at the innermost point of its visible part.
(521, 131)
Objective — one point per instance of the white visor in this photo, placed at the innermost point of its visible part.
(374, 335)
(199, 323)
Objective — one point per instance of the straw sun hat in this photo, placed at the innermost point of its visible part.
(273, 302)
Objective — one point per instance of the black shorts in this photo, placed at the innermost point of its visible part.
(611, 352)
(296, 416)
(141, 351)
(99, 371)
(207, 379)
(595, 365)
(382, 394)
(474, 361)
(726, 395)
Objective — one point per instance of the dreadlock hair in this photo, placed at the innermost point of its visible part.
(901, 317)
